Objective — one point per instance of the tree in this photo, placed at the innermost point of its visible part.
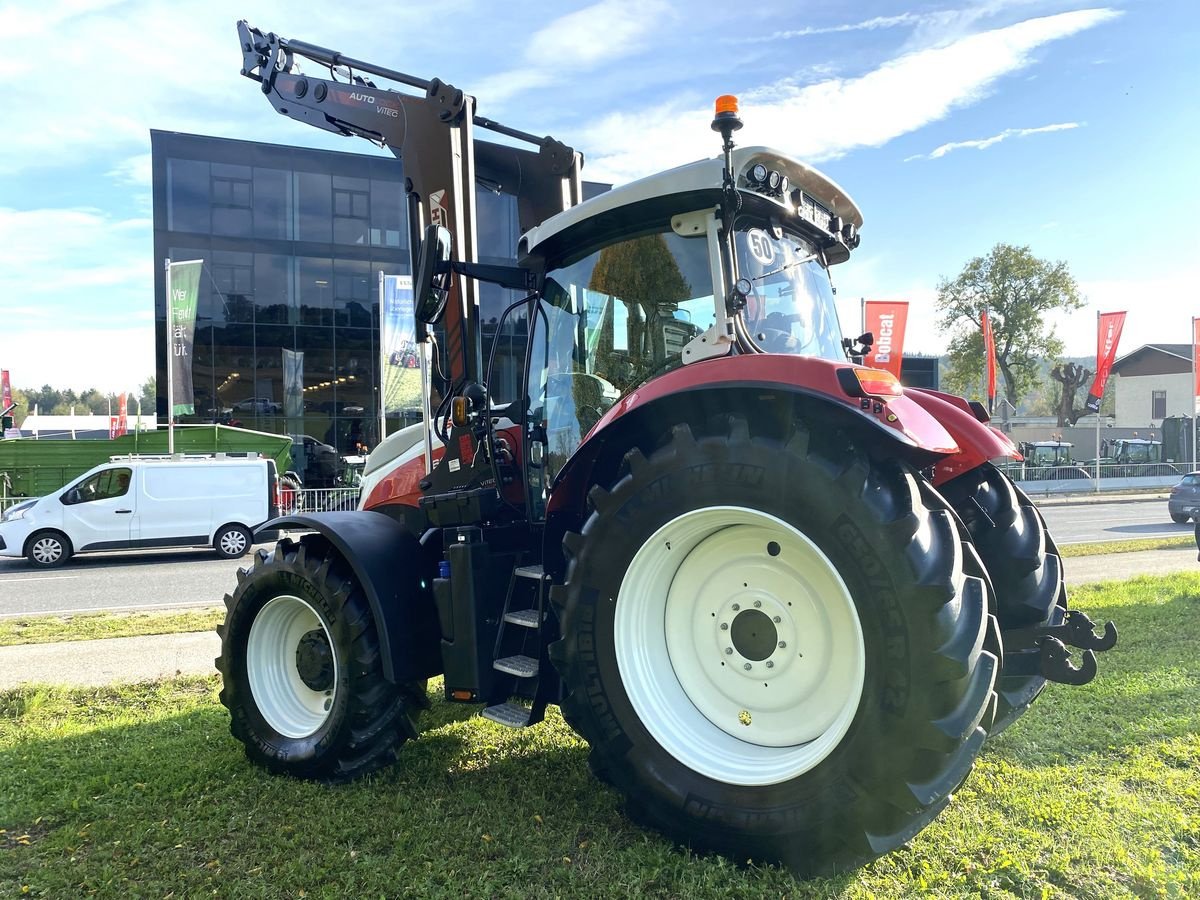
(1072, 378)
(1020, 290)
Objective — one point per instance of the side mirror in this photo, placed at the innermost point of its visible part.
(72, 497)
(431, 284)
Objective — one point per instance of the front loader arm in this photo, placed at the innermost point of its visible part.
(433, 132)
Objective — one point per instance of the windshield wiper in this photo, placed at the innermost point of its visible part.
(786, 266)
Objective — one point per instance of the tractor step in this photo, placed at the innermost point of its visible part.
(513, 715)
(527, 617)
(534, 572)
(521, 666)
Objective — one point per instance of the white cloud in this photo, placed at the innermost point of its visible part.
(583, 40)
(824, 120)
(872, 24)
(134, 170)
(111, 359)
(984, 143)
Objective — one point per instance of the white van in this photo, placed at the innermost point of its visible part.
(131, 504)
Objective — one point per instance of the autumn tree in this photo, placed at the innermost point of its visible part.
(1020, 290)
(1072, 377)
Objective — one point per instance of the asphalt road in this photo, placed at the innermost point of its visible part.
(1127, 521)
(159, 579)
(187, 579)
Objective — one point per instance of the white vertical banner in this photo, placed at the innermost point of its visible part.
(400, 378)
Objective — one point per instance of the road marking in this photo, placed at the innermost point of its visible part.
(38, 578)
(82, 611)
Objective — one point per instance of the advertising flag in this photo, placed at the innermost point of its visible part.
(293, 383)
(401, 364)
(1195, 357)
(183, 279)
(6, 402)
(1108, 335)
(123, 416)
(989, 350)
(886, 320)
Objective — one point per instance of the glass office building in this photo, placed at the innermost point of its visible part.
(294, 241)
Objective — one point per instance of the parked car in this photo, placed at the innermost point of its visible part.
(1184, 502)
(144, 503)
(259, 406)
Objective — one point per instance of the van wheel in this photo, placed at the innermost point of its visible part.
(232, 541)
(48, 549)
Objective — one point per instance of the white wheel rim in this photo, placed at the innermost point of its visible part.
(233, 542)
(770, 695)
(47, 550)
(289, 706)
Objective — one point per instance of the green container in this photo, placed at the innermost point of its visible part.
(38, 467)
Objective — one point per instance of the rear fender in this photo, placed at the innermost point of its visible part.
(978, 442)
(387, 561)
(899, 428)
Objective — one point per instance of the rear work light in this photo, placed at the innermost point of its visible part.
(863, 382)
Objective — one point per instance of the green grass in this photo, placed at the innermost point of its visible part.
(141, 792)
(86, 627)
(1105, 547)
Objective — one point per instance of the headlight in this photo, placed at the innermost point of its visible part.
(16, 512)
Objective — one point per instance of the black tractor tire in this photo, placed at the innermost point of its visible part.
(48, 549)
(1024, 564)
(232, 541)
(303, 678)
(815, 796)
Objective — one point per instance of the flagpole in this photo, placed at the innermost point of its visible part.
(1099, 407)
(170, 374)
(382, 363)
(1193, 416)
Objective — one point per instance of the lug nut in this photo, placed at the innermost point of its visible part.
(770, 664)
(736, 607)
(724, 626)
(758, 604)
(746, 667)
(783, 645)
(728, 651)
(778, 620)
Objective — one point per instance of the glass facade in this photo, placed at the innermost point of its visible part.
(294, 242)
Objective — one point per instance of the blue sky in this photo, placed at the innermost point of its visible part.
(1068, 126)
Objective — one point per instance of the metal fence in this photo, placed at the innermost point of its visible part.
(320, 500)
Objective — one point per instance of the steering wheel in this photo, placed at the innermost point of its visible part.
(775, 340)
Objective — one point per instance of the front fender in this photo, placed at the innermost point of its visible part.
(978, 442)
(387, 562)
(767, 386)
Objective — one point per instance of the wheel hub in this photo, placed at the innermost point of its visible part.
(314, 660)
(291, 666)
(739, 645)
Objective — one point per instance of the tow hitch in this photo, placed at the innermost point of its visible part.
(1044, 651)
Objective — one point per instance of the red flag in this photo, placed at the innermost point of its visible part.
(886, 320)
(1195, 349)
(989, 350)
(5, 390)
(1108, 335)
(122, 420)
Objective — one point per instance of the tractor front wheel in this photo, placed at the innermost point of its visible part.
(772, 647)
(1024, 564)
(302, 675)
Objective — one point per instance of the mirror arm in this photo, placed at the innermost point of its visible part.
(513, 277)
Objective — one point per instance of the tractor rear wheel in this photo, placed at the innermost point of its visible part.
(772, 647)
(300, 660)
(1023, 562)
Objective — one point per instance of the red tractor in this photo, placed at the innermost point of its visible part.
(783, 598)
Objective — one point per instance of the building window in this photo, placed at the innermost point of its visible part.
(351, 209)
(1158, 404)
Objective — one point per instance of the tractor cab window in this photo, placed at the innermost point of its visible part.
(609, 322)
(790, 308)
